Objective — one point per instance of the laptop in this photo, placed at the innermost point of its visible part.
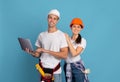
(25, 43)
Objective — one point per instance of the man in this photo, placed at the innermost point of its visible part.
(51, 46)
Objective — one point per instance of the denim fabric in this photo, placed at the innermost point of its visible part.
(77, 75)
(57, 78)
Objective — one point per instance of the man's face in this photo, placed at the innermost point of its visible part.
(52, 20)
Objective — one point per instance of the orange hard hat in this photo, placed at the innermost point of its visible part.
(77, 21)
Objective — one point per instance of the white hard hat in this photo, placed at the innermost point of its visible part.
(54, 12)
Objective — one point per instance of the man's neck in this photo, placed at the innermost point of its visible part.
(52, 29)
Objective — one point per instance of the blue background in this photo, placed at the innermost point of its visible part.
(27, 18)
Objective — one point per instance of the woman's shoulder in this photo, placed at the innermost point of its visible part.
(83, 39)
(83, 43)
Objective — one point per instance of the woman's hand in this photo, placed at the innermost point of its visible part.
(67, 37)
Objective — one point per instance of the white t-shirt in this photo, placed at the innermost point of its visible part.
(51, 41)
(70, 58)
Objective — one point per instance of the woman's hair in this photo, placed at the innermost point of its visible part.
(78, 40)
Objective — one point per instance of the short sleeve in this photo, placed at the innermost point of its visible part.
(38, 41)
(83, 43)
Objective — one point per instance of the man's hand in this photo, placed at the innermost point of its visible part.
(28, 51)
(33, 53)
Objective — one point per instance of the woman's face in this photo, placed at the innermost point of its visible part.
(76, 29)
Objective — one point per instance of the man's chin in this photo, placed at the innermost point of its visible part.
(51, 25)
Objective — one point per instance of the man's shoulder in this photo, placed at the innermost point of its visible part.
(42, 33)
(61, 32)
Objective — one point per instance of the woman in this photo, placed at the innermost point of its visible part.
(74, 68)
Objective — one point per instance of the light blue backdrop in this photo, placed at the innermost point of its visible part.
(26, 18)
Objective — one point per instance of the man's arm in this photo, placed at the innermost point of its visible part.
(62, 54)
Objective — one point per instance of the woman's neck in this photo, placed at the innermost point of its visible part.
(74, 37)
